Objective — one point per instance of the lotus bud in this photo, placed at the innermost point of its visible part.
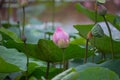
(60, 38)
(102, 10)
(89, 35)
(97, 31)
(23, 2)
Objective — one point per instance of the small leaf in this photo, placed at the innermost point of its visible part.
(78, 41)
(101, 1)
(83, 29)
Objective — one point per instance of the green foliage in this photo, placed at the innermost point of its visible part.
(13, 52)
(83, 29)
(7, 35)
(29, 49)
(117, 21)
(97, 73)
(62, 76)
(11, 60)
(91, 14)
(40, 72)
(32, 78)
(33, 64)
(42, 49)
(78, 41)
(47, 47)
(102, 44)
(3, 75)
(85, 66)
(6, 25)
(87, 72)
(113, 65)
(51, 53)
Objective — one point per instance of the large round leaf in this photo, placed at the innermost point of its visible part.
(114, 65)
(11, 60)
(50, 52)
(88, 71)
(72, 73)
(97, 73)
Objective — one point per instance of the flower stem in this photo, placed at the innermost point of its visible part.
(18, 23)
(86, 51)
(23, 19)
(111, 42)
(47, 70)
(53, 14)
(27, 68)
(63, 57)
(66, 64)
(60, 65)
(0, 21)
(24, 40)
(27, 64)
(8, 17)
(93, 50)
(93, 58)
(103, 56)
(96, 12)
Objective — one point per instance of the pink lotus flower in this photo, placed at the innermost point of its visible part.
(23, 2)
(60, 38)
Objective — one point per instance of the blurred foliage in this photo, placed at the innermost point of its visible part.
(41, 50)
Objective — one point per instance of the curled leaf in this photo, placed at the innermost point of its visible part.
(101, 1)
(97, 31)
(63, 74)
